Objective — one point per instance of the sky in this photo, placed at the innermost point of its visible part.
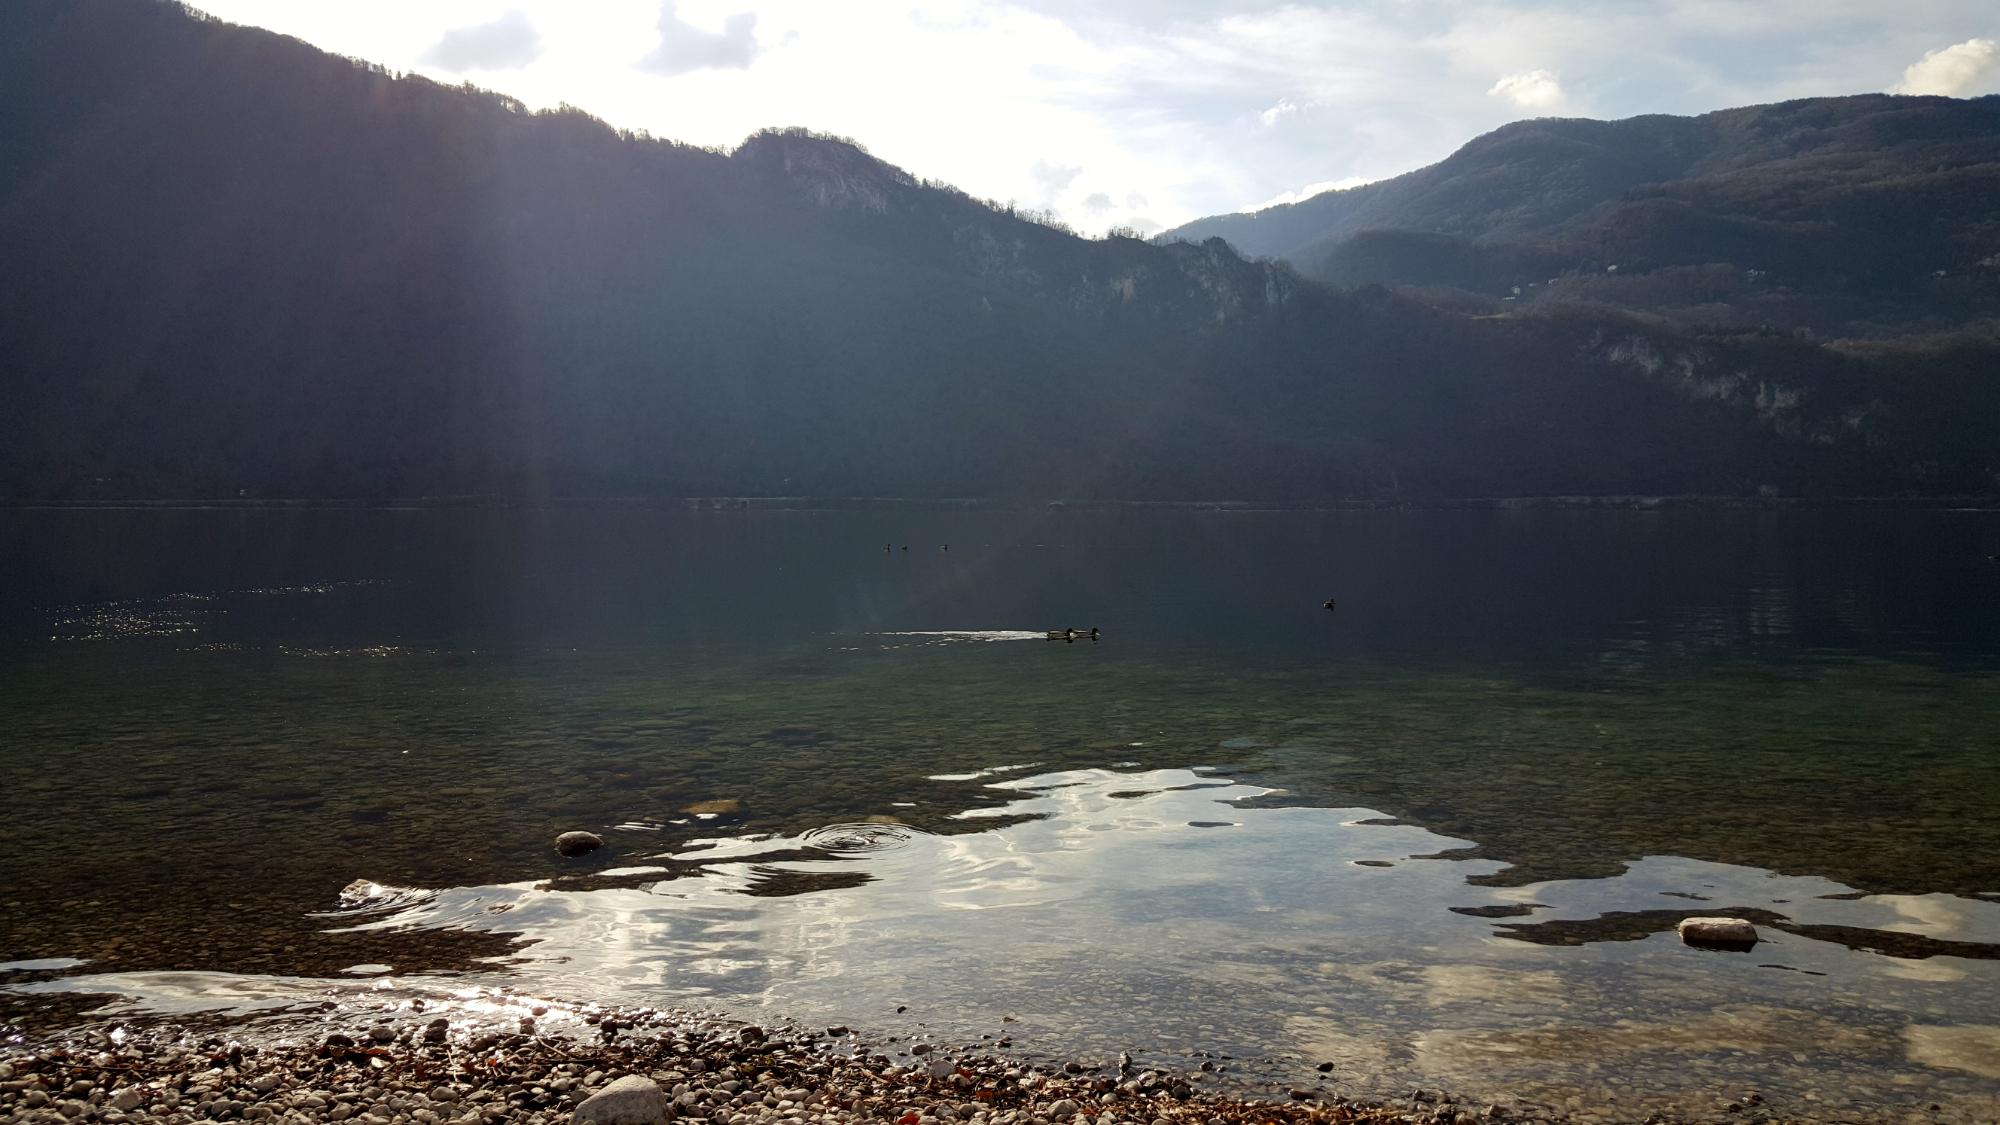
(1149, 113)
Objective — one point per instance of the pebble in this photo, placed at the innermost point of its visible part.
(1718, 933)
(632, 1100)
(578, 843)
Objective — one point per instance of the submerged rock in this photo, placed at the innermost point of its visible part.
(1718, 933)
(578, 843)
(632, 1100)
(361, 892)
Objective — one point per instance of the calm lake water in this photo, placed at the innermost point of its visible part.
(1438, 836)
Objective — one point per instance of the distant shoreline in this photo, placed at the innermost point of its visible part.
(993, 504)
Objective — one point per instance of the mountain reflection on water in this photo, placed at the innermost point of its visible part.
(1438, 837)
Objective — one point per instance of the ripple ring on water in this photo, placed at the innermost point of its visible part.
(860, 839)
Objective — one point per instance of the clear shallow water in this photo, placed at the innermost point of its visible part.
(1439, 836)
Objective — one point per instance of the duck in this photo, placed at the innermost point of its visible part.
(1327, 604)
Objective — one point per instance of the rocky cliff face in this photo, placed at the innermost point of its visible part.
(1698, 374)
(1209, 281)
(827, 172)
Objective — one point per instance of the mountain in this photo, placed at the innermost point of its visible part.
(1866, 215)
(231, 264)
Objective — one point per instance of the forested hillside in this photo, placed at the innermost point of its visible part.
(232, 264)
(1867, 215)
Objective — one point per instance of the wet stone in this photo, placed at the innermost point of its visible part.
(1718, 933)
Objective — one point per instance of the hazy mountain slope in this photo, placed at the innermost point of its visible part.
(1832, 212)
(231, 262)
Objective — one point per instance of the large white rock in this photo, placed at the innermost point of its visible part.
(632, 1100)
(1719, 933)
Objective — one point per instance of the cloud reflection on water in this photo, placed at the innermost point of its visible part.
(1101, 918)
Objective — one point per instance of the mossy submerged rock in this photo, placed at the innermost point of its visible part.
(632, 1100)
(578, 843)
(1718, 933)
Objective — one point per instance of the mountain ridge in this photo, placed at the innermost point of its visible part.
(233, 265)
(1836, 214)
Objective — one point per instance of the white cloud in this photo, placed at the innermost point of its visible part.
(507, 43)
(1533, 89)
(1307, 192)
(1285, 108)
(1053, 178)
(685, 47)
(1097, 201)
(1954, 70)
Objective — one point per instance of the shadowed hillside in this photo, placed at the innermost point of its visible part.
(1852, 216)
(230, 263)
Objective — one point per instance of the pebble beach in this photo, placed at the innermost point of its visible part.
(412, 1065)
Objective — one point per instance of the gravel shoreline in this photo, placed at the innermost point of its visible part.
(518, 1062)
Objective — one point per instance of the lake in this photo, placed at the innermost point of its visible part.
(1439, 835)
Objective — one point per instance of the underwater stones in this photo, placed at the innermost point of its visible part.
(1971, 1048)
(632, 1100)
(578, 843)
(1718, 933)
(722, 807)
